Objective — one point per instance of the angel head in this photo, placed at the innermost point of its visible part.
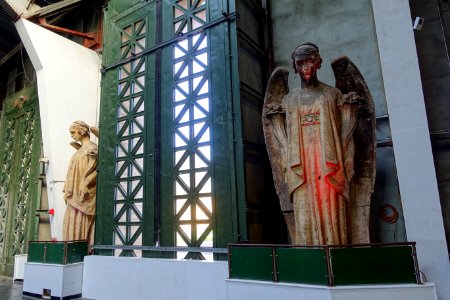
(306, 60)
(79, 129)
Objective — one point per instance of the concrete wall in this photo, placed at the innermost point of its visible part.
(412, 146)
(435, 73)
(111, 278)
(261, 290)
(68, 77)
(339, 27)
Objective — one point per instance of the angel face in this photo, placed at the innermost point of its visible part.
(307, 67)
(75, 133)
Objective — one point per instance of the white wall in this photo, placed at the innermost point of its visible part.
(68, 77)
(111, 278)
(411, 140)
(260, 290)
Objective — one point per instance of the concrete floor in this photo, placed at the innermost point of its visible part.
(12, 290)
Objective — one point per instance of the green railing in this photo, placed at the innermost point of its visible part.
(60, 253)
(330, 265)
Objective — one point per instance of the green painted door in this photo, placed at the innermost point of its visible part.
(19, 172)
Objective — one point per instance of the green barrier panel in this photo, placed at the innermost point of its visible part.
(76, 252)
(36, 252)
(55, 253)
(307, 265)
(251, 263)
(60, 253)
(376, 265)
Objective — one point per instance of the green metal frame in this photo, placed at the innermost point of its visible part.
(60, 253)
(123, 181)
(19, 163)
(160, 170)
(331, 265)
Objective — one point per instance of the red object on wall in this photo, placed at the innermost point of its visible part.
(51, 211)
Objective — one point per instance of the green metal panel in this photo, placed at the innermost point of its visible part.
(54, 253)
(231, 224)
(59, 253)
(19, 171)
(376, 265)
(36, 252)
(235, 130)
(306, 265)
(76, 251)
(254, 263)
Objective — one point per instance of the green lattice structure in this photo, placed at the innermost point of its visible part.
(173, 167)
(19, 163)
(159, 108)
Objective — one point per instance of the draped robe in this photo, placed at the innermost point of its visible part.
(80, 194)
(319, 162)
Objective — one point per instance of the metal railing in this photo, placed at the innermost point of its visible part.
(404, 262)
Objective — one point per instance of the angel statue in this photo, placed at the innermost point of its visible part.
(80, 186)
(321, 145)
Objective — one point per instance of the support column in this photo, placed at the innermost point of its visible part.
(411, 140)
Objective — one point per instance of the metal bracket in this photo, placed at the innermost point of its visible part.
(91, 40)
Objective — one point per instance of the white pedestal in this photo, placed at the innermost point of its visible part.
(126, 278)
(19, 266)
(260, 290)
(59, 280)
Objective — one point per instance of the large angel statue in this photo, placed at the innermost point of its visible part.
(80, 186)
(321, 144)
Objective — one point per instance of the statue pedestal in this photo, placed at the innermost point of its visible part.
(261, 290)
(19, 266)
(51, 280)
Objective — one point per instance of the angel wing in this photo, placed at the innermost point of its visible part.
(350, 81)
(274, 126)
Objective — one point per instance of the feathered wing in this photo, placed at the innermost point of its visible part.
(274, 125)
(352, 84)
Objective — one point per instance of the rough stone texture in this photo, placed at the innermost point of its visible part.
(345, 27)
(358, 161)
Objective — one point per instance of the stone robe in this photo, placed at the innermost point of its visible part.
(319, 163)
(80, 194)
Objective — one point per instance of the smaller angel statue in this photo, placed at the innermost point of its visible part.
(80, 186)
(321, 144)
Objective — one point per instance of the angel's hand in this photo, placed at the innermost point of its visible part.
(275, 108)
(352, 97)
(95, 131)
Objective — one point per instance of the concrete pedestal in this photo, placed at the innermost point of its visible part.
(19, 266)
(261, 290)
(117, 278)
(49, 280)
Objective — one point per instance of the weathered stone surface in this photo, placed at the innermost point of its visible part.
(321, 144)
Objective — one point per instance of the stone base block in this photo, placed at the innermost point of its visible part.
(261, 290)
(51, 281)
